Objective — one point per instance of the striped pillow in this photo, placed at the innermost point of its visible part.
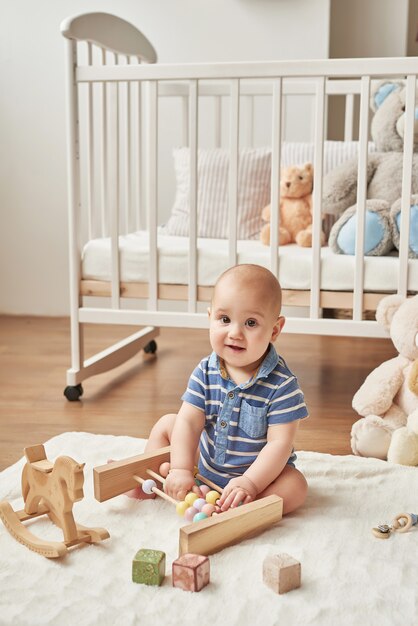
(335, 153)
(212, 196)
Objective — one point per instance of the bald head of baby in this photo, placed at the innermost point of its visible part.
(254, 280)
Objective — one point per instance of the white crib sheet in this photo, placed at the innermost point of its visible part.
(337, 271)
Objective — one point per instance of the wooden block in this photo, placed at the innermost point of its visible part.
(228, 528)
(281, 572)
(191, 572)
(148, 567)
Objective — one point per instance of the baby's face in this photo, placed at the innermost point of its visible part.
(242, 324)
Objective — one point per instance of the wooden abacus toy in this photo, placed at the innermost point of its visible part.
(50, 489)
(204, 536)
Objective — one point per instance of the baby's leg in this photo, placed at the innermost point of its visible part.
(160, 435)
(290, 485)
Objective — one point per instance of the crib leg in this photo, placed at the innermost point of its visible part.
(113, 356)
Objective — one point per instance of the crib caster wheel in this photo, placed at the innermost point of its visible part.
(151, 347)
(73, 392)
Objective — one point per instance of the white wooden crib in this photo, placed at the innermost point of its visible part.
(126, 113)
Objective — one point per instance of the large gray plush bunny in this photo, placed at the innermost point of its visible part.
(384, 181)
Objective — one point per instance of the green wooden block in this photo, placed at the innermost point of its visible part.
(148, 567)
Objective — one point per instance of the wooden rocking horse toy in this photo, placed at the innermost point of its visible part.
(50, 489)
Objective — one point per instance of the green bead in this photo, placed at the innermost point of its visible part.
(148, 567)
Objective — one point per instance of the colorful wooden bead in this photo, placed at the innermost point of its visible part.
(199, 516)
(148, 486)
(199, 503)
(148, 567)
(181, 508)
(212, 497)
(191, 572)
(281, 572)
(208, 509)
(204, 489)
(190, 498)
(190, 513)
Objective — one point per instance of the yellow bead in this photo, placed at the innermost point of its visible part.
(181, 507)
(190, 498)
(212, 497)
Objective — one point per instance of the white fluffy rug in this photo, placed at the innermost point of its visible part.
(348, 576)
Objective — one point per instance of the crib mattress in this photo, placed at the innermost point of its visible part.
(337, 271)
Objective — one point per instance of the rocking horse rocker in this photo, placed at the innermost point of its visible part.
(50, 489)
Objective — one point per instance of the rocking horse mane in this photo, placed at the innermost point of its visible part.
(72, 474)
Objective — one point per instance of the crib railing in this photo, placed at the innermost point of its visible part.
(114, 128)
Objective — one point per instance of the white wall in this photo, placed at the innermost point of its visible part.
(369, 28)
(33, 220)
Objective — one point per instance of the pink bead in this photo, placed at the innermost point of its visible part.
(208, 509)
(204, 489)
(199, 503)
(190, 513)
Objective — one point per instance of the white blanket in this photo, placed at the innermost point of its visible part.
(348, 576)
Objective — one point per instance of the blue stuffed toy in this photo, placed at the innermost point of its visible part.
(384, 182)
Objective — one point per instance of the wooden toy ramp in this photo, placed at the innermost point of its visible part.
(50, 489)
(206, 536)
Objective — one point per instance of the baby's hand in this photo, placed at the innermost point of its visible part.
(238, 490)
(179, 482)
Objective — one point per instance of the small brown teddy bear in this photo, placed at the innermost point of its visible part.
(295, 208)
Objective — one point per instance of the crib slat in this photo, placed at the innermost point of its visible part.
(349, 117)
(233, 171)
(405, 224)
(103, 155)
(185, 120)
(217, 125)
(152, 181)
(193, 121)
(113, 193)
(361, 199)
(136, 165)
(317, 197)
(89, 149)
(276, 133)
(127, 164)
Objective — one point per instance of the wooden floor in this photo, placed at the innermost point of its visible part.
(34, 356)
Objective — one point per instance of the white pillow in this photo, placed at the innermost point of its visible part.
(254, 167)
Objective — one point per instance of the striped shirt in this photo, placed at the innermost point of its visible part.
(238, 416)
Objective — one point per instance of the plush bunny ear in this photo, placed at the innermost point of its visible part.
(387, 308)
(381, 91)
(308, 167)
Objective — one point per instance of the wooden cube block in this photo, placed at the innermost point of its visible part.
(148, 567)
(281, 572)
(191, 572)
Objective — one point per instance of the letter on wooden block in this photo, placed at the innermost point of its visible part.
(148, 567)
(281, 572)
(191, 572)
